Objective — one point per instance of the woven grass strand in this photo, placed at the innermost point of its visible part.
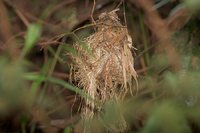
(105, 64)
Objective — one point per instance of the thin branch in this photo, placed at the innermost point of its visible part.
(160, 29)
(6, 32)
(93, 8)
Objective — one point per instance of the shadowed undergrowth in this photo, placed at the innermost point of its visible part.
(38, 91)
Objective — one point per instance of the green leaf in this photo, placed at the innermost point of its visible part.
(68, 86)
(32, 36)
(67, 130)
(193, 4)
(166, 118)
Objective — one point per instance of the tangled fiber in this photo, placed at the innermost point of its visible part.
(104, 65)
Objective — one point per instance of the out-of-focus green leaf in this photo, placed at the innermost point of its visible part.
(57, 81)
(32, 36)
(193, 4)
(171, 80)
(113, 116)
(71, 50)
(166, 118)
(67, 130)
(12, 86)
(111, 113)
(84, 45)
(158, 63)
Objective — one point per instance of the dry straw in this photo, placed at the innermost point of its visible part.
(104, 65)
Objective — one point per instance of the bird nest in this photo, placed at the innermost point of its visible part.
(104, 67)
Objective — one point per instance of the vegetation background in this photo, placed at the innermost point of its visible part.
(37, 94)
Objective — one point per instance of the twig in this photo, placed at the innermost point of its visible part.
(59, 6)
(124, 13)
(161, 31)
(22, 17)
(6, 32)
(43, 119)
(93, 8)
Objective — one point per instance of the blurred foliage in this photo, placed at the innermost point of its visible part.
(32, 36)
(193, 4)
(13, 88)
(161, 118)
(37, 93)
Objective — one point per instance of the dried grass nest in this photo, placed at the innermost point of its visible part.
(104, 67)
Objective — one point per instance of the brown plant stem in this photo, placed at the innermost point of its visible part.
(43, 119)
(160, 29)
(6, 32)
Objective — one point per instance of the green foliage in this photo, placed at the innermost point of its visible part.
(12, 87)
(167, 101)
(113, 113)
(63, 83)
(166, 117)
(32, 36)
(193, 4)
(67, 130)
